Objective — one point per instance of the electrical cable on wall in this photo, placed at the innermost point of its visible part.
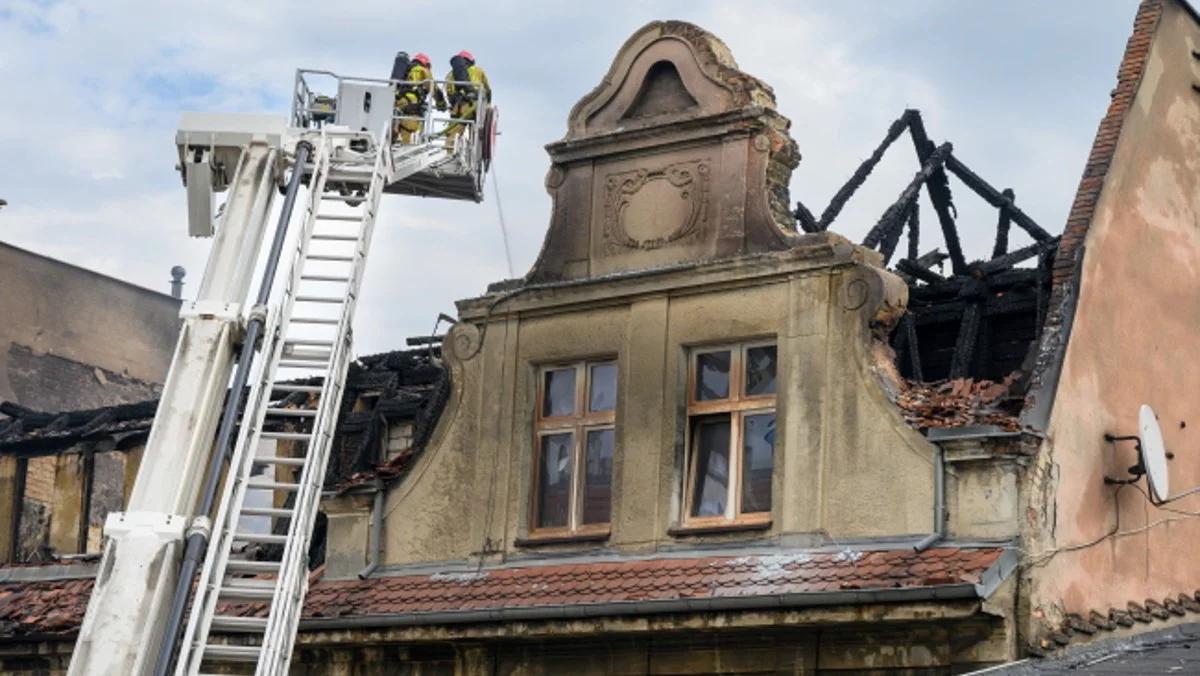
(1115, 532)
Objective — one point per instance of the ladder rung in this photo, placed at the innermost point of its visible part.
(287, 436)
(301, 363)
(257, 567)
(272, 485)
(284, 387)
(338, 217)
(308, 342)
(323, 278)
(265, 511)
(336, 238)
(232, 653)
(324, 257)
(265, 538)
(292, 412)
(314, 320)
(319, 299)
(233, 624)
(298, 353)
(279, 460)
(251, 583)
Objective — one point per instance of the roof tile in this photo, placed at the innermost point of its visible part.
(56, 606)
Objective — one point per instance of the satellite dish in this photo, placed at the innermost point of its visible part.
(1154, 453)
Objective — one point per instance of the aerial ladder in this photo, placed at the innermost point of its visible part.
(256, 381)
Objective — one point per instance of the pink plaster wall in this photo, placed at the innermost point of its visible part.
(1135, 339)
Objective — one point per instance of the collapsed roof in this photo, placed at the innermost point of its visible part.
(974, 328)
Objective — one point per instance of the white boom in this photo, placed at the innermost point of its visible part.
(301, 328)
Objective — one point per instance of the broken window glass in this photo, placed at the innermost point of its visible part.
(558, 398)
(758, 461)
(760, 370)
(554, 481)
(711, 486)
(712, 375)
(597, 490)
(603, 396)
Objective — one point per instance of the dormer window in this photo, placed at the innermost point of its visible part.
(731, 434)
(574, 443)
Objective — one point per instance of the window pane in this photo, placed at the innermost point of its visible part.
(597, 490)
(554, 481)
(760, 370)
(712, 376)
(758, 459)
(558, 395)
(603, 396)
(711, 448)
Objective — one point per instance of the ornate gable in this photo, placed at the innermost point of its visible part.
(676, 156)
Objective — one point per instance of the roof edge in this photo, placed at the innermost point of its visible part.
(1067, 270)
(957, 591)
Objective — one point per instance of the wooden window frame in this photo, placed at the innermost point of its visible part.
(579, 424)
(737, 406)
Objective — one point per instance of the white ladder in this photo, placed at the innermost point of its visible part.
(310, 337)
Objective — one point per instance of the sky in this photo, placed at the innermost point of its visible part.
(94, 91)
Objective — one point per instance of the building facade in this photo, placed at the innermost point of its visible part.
(705, 434)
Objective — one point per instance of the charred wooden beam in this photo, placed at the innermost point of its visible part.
(996, 199)
(893, 217)
(914, 348)
(1003, 224)
(914, 232)
(912, 269)
(939, 192)
(1007, 261)
(964, 347)
(805, 218)
(864, 170)
(892, 238)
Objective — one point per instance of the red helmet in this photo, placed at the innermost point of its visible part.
(421, 59)
(467, 55)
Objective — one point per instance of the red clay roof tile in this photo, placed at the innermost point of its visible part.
(56, 606)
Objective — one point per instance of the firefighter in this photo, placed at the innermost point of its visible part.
(463, 98)
(411, 96)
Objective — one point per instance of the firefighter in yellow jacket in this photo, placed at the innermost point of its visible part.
(412, 96)
(463, 98)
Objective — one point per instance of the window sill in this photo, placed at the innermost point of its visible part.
(536, 540)
(714, 528)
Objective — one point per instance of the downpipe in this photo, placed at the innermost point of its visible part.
(198, 534)
(375, 536)
(939, 503)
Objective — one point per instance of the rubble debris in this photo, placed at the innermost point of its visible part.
(960, 402)
(980, 320)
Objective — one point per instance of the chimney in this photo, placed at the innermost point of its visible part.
(177, 274)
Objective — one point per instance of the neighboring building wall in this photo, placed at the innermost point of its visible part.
(72, 338)
(1134, 329)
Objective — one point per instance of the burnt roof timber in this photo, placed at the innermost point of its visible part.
(1003, 223)
(920, 272)
(893, 217)
(939, 193)
(864, 170)
(1007, 261)
(996, 199)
